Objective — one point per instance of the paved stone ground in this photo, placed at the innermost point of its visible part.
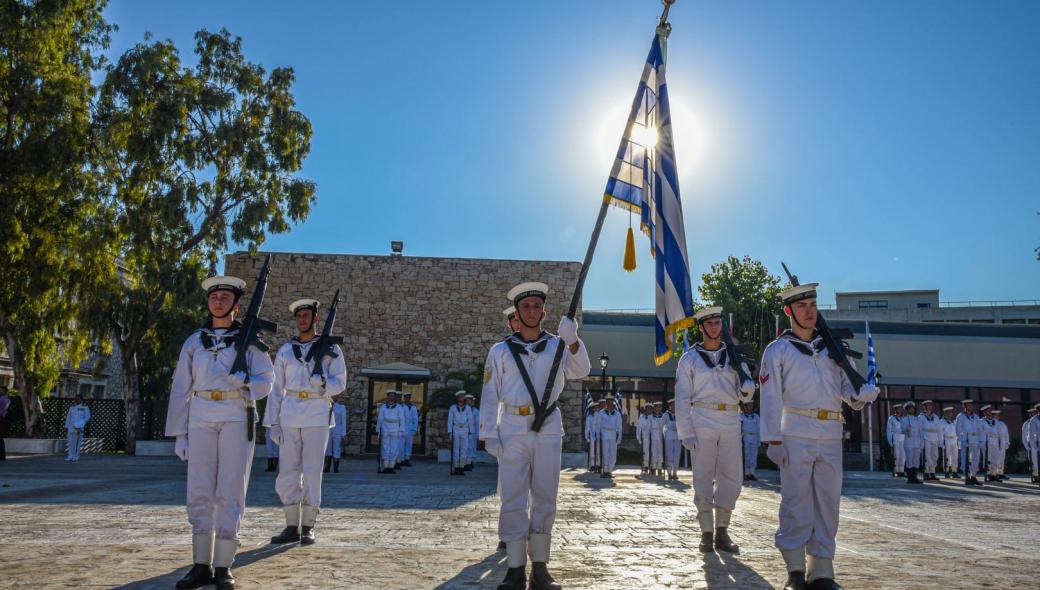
(114, 521)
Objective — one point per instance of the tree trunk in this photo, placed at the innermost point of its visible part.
(32, 409)
(131, 396)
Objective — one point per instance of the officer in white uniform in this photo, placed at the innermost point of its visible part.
(529, 461)
(968, 432)
(643, 434)
(802, 393)
(608, 429)
(75, 421)
(896, 436)
(412, 427)
(950, 443)
(474, 430)
(299, 415)
(708, 393)
(931, 429)
(672, 446)
(592, 435)
(334, 450)
(459, 420)
(389, 425)
(656, 426)
(749, 431)
(913, 442)
(208, 412)
(1029, 441)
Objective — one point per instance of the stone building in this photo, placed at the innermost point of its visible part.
(409, 323)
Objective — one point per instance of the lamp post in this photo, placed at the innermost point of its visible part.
(603, 361)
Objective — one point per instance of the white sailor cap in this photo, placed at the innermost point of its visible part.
(648, 405)
(967, 401)
(469, 396)
(391, 391)
(1037, 407)
(671, 401)
(299, 304)
(461, 392)
(994, 411)
(949, 409)
(927, 401)
(793, 294)
(1033, 409)
(609, 400)
(524, 290)
(509, 312)
(707, 313)
(908, 404)
(986, 407)
(658, 403)
(590, 404)
(224, 283)
(406, 394)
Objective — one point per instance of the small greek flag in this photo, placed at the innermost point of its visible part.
(586, 400)
(871, 359)
(644, 181)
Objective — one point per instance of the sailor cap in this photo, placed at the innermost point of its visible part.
(590, 404)
(469, 396)
(994, 411)
(986, 407)
(949, 409)
(927, 401)
(460, 392)
(707, 313)
(391, 391)
(524, 290)
(671, 401)
(1033, 409)
(658, 403)
(1037, 407)
(908, 404)
(224, 283)
(609, 400)
(793, 294)
(406, 394)
(509, 312)
(967, 401)
(648, 405)
(299, 304)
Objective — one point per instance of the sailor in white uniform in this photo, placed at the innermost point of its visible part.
(802, 394)
(608, 429)
(708, 394)
(474, 429)
(950, 443)
(334, 450)
(969, 427)
(208, 413)
(896, 435)
(656, 423)
(643, 434)
(389, 425)
(1029, 441)
(299, 416)
(672, 445)
(749, 431)
(75, 421)
(592, 436)
(931, 429)
(913, 442)
(411, 428)
(460, 418)
(517, 393)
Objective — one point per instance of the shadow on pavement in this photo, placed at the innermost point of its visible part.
(241, 560)
(594, 481)
(723, 571)
(487, 573)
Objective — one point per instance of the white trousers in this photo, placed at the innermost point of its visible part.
(971, 455)
(594, 452)
(810, 495)
(73, 442)
(750, 456)
(1033, 458)
(716, 469)
(334, 448)
(913, 456)
(995, 454)
(460, 448)
(219, 460)
(529, 473)
(646, 450)
(931, 456)
(656, 450)
(300, 464)
(671, 454)
(388, 449)
(409, 443)
(608, 449)
(472, 447)
(951, 452)
(899, 449)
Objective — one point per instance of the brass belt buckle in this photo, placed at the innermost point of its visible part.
(303, 395)
(822, 414)
(216, 396)
(524, 411)
(723, 407)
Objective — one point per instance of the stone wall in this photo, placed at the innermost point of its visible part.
(439, 313)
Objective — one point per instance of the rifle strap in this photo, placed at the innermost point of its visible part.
(515, 348)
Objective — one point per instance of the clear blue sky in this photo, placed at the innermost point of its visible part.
(881, 145)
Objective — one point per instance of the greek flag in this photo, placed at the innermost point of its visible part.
(871, 359)
(644, 181)
(617, 399)
(586, 400)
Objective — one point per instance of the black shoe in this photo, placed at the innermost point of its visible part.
(541, 579)
(198, 576)
(752, 477)
(223, 579)
(407, 463)
(328, 464)
(307, 536)
(723, 542)
(795, 581)
(707, 543)
(824, 584)
(975, 482)
(911, 476)
(604, 476)
(609, 475)
(468, 467)
(335, 465)
(289, 534)
(270, 465)
(501, 546)
(514, 580)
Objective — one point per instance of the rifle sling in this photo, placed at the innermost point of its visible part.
(540, 407)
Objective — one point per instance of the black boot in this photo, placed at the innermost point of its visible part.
(307, 537)
(223, 579)
(541, 579)
(795, 581)
(723, 542)
(468, 467)
(501, 546)
(335, 465)
(514, 580)
(289, 534)
(707, 543)
(328, 464)
(824, 584)
(270, 465)
(199, 575)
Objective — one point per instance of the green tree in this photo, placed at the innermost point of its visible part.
(55, 235)
(194, 159)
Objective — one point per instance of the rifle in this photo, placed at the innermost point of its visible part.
(735, 356)
(836, 348)
(323, 347)
(252, 326)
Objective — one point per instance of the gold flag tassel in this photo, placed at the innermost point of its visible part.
(630, 248)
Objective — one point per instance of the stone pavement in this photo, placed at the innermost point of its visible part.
(115, 521)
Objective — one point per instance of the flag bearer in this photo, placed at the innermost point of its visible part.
(608, 428)
(708, 393)
(749, 429)
(299, 419)
(389, 425)
(931, 429)
(75, 421)
(208, 412)
(950, 443)
(411, 428)
(802, 394)
(969, 428)
(529, 461)
(459, 425)
(672, 445)
(334, 450)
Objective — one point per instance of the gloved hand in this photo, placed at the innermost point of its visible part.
(492, 446)
(568, 330)
(690, 442)
(747, 388)
(777, 454)
(868, 393)
(237, 380)
(318, 382)
(180, 448)
(275, 434)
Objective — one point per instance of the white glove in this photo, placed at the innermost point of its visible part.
(868, 393)
(568, 330)
(777, 454)
(747, 388)
(274, 432)
(180, 448)
(237, 380)
(690, 442)
(318, 382)
(492, 446)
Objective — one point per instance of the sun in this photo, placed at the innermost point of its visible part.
(688, 131)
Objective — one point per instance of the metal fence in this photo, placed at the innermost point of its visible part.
(106, 421)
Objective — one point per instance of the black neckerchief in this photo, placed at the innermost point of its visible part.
(703, 352)
(930, 417)
(809, 348)
(207, 334)
(670, 416)
(518, 346)
(539, 343)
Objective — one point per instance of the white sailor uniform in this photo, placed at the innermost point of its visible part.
(460, 424)
(474, 432)
(931, 431)
(896, 435)
(951, 445)
(968, 427)
(913, 441)
(389, 424)
(672, 445)
(340, 423)
(592, 437)
(656, 427)
(608, 433)
(412, 416)
(643, 436)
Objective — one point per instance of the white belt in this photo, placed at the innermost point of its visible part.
(818, 413)
(715, 406)
(217, 395)
(305, 395)
(610, 430)
(519, 410)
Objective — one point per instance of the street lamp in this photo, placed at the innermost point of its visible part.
(603, 360)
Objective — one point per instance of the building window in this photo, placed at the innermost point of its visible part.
(982, 321)
(1013, 321)
(84, 390)
(873, 303)
(923, 305)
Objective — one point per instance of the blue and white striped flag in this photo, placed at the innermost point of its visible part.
(871, 359)
(617, 399)
(644, 180)
(586, 400)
